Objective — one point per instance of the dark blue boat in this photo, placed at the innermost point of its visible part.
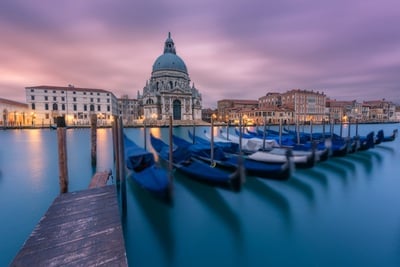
(202, 150)
(183, 161)
(144, 169)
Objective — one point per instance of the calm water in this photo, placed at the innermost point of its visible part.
(343, 212)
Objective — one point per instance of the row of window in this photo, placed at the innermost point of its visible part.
(46, 98)
(62, 92)
(75, 107)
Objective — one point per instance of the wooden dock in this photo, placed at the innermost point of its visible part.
(79, 229)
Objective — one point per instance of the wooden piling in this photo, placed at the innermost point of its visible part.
(93, 138)
(62, 155)
(264, 132)
(170, 161)
(121, 164)
(144, 135)
(115, 149)
(212, 140)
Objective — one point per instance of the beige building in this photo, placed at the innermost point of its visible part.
(15, 114)
(74, 103)
(306, 105)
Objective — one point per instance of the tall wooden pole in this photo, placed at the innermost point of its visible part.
(341, 127)
(280, 132)
(348, 130)
(62, 155)
(144, 135)
(240, 134)
(264, 132)
(212, 140)
(227, 131)
(121, 156)
(116, 152)
(93, 139)
(170, 160)
(194, 132)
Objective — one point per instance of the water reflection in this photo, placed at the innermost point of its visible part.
(271, 197)
(157, 215)
(209, 197)
(347, 164)
(387, 149)
(315, 175)
(332, 166)
(364, 159)
(303, 188)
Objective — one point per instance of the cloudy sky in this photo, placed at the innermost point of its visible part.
(348, 49)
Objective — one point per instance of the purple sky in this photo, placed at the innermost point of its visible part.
(348, 49)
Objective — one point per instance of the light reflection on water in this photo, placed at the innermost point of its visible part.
(342, 212)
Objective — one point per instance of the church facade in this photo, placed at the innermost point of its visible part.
(169, 91)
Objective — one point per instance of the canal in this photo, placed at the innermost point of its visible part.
(342, 212)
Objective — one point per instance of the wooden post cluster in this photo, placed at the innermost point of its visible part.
(62, 155)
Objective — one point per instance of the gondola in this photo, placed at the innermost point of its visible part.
(183, 161)
(144, 170)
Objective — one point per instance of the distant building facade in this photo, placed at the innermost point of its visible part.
(74, 103)
(228, 109)
(15, 113)
(128, 109)
(307, 105)
(169, 91)
(381, 110)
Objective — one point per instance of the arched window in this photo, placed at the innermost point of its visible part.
(55, 106)
(149, 101)
(176, 105)
(92, 107)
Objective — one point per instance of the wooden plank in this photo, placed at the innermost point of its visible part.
(99, 179)
(79, 229)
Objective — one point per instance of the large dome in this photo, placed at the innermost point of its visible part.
(169, 60)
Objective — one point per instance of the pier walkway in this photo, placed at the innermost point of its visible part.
(80, 228)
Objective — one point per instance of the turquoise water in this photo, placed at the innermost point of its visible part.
(343, 212)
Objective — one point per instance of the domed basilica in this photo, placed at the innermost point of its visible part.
(169, 92)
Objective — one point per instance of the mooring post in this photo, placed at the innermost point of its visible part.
(212, 140)
(116, 152)
(121, 164)
(194, 132)
(341, 127)
(93, 138)
(144, 135)
(280, 132)
(348, 129)
(170, 159)
(227, 131)
(62, 155)
(264, 132)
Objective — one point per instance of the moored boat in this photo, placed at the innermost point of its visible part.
(183, 161)
(144, 170)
